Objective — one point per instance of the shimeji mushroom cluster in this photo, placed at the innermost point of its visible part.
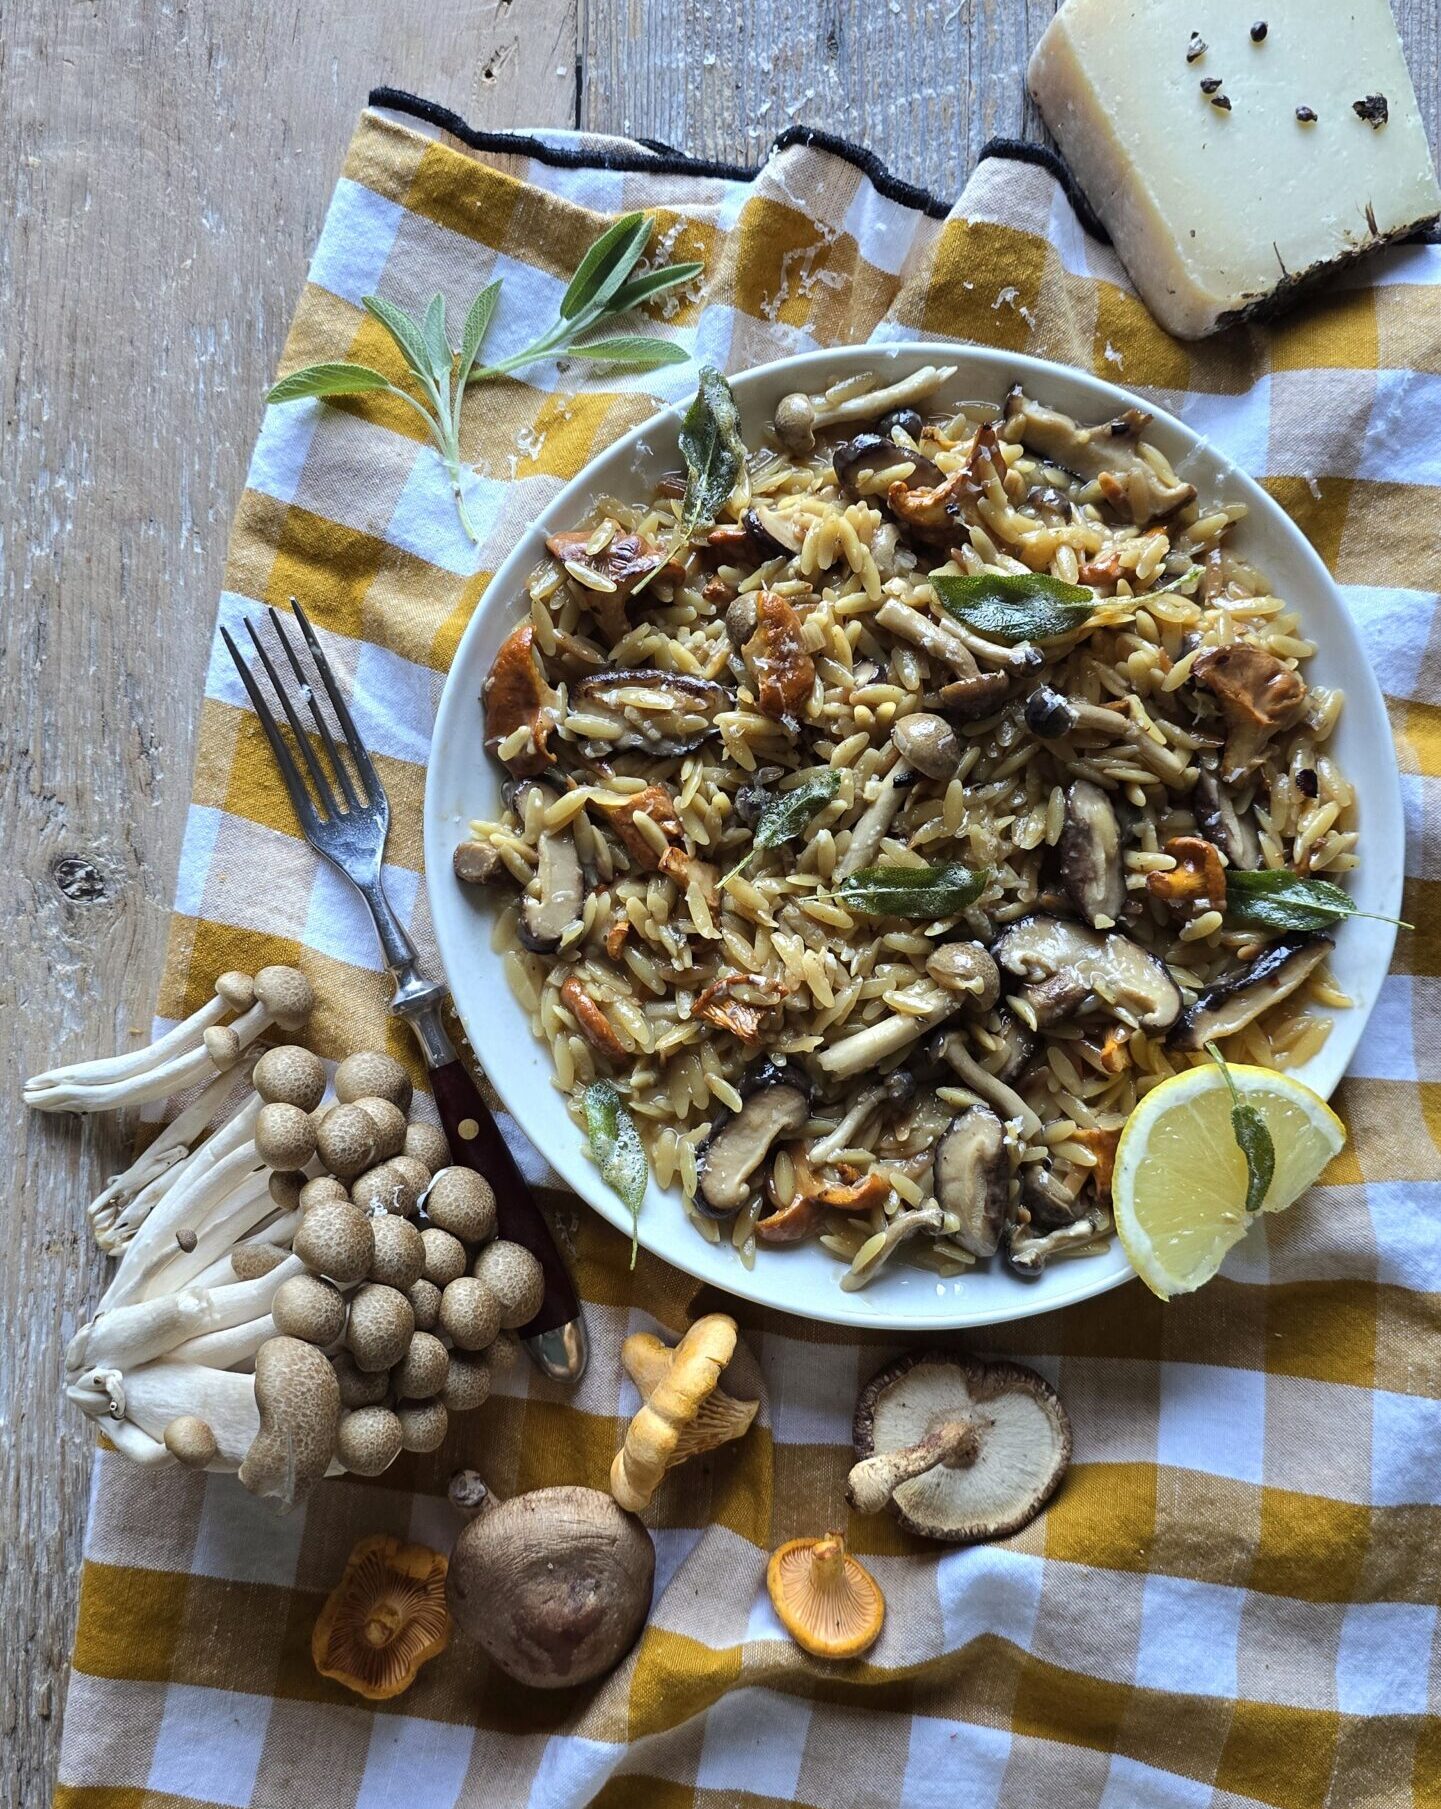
(312, 1288)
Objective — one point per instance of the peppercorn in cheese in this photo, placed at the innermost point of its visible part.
(1232, 155)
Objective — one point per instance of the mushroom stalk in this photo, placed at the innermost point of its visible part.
(130, 1335)
(940, 640)
(235, 1347)
(875, 820)
(869, 1261)
(799, 417)
(232, 1194)
(864, 1048)
(86, 1086)
(1007, 1101)
(156, 1393)
(826, 1149)
(874, 1480)
(1050, 715)
(173, 1181)
(138, 1447)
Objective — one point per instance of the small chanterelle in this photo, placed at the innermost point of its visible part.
(1233, 157)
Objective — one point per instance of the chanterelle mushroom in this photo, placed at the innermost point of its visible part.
(384, 1618)
(960, 1450)
(518, 697)
(684, 1411)
(827, 1601)
(1258, 695)
(554, 1585)
(1106, 454)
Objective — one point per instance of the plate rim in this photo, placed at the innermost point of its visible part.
(1094, 1276)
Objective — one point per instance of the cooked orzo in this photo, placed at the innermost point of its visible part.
(874, 839)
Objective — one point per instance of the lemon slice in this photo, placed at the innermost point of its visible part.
(1179, 1189)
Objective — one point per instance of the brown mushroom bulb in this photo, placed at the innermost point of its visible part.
(445, 1257)
(358, 1387)
(467, 1383)
(335, 1239)
(414, 1173)
(250, 1260)
(503, 1353)
(286, 995)
(960, 1450)
(461, 1202)
(371, 1074)
(290, 1075)
(298, 1397)
(284, 1136)
(469, 1313)
(423, 1424)
(389, 1122)
(190, 1441)
(516, 1279)
(929, 744)
(385, 1189)
(320, 1189)
(283, 1186)
(554, 1585)
(237, 990)
(399, 1259)
(384, 1619)
(966, 968)
(346, 1141)
(421, 1372)
(424, 1298)
(369, 1440)
(427, 1144)
(380, 1326)
(309, 1308)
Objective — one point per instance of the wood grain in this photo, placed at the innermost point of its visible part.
(165, 171)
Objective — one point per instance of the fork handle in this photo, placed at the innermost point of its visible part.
(475, 1142)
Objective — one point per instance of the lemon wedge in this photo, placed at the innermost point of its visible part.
(1179, 1188)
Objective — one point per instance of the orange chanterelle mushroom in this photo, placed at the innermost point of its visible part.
(517, 697)
(776, 654)
(384, 1618)
(829, 1603)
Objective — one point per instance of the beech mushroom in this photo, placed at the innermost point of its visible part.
(928, 743)
(347, 1142)
(426, 1144)
(477, 863)
(445, 1257)
(974, 693)
(1028, 1253)
(1050, 716)
(461, 1202)
(682, 1412)
(421, 1372)
(190, 1441)
(423, 1425)
(960, 1450)
(337, 1240)
(424, 1298)
(385, 1189)
(799, 417)
(467, 1382)
(380, 1325)
(966, 968)
(284, 1136)
(516, 1279)
(412, 1172)
(389, 1122)
(399, 1253)
(321, 1189)
(368, 1440)
(1109, 455)
(878, 1249)
(298, 1399)
(554, 1586)
(469, 1313)
(359, 1387)
(290, 1075)
(827, 1601)
(384, 1618)
(308, 1308)
(371, 1074)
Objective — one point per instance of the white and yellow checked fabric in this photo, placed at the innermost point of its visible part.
(1233, 1599)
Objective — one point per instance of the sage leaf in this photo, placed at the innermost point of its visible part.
(919, 893)
(1277, 899)
(786, 816)
(1015, 607)
(477, 325)
(327, 380)
(437, 346)
(631, 351)
(712, 447)
(606, 265)
(409, 337)
(619, 1153)
(1252, 1137)
(652, 282)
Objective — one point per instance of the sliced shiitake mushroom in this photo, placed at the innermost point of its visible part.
(1238, 1000)
(972, 1178)
(1234, 834)
(868, 454)
(664, 714)
(1090, 855)
(1107, 454)
(1107, 971)
(775, 1103)
(553, 900)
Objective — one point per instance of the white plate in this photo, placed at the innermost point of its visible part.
(463, 783)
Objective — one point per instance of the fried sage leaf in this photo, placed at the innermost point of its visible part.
(1015, 607)
(919, 893)
(785, 817)
(619, 1154)
(1277, 899)
(712, 447)
(1252, 1137)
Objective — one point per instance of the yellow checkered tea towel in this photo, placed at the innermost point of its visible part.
(1233, 1598)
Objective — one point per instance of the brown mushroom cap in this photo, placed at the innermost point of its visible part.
(380, 1326)
(424, 1298)
(993, 1482)
(290, 1075)
(371, 1074)
(426, 1142)
(467, 1383)
(335, 1239)
(423, 1424)
(298, 1397)
(237, 990)
(461, 1202)
(358, 1387)
(384, 1189)
(346, 1141)
(420, 1374)
(516, 1279)
(286, 994)
(384, 1618)
(555, 1585)
(284, 1136)
(309, 1308)
(389, 1122)
(412, 1171)
(283, 1186)
(368, 1441)
(503, 1353)
(189, 1439)
(222, 1045)
(321, 1188)
(249, 1261)
(399, 1259)
(469, 1313)
(444, 1256)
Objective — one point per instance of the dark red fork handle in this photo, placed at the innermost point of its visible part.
(475, 1142)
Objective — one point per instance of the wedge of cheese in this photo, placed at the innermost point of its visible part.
(1235, 154)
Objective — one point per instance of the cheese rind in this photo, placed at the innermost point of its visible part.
(1218, 213)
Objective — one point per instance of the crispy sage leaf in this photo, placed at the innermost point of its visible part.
(919, 893)
(1277, 899)
(786, 816)
(1015, 607)
(607, 264)
(619, 1153)
(327, 380)
(1252, 1137)
(712, 447)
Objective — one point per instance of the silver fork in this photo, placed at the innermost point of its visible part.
(345, 818)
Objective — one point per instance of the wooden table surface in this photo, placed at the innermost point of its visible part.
(165, 172)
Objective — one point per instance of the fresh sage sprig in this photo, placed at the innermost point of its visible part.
(602, 289)
(1015, 607)
(786, 816)
(1252, 1137)
(1277, 899)
(619, 1153)
(920, 893)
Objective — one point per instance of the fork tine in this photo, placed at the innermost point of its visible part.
(294, 784)
(359, 752)
(322, 784)
(278, 623)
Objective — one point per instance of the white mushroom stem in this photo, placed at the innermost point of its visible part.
(137, 1446)
(114, 1230)
(874, 1480)
(131, 1335)
(860, 402)
(871, 1260)
(169, 1150)
(938, 639)
(856, 1053)
(85, 1086)
(875, 820)
(827, 1148)
(233, 1348)
(196, 1204)
(243, 1208)
(275, 1235)
(1006, 1100)
(156, 1393)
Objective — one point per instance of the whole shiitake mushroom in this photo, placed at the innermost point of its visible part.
(554, 1585)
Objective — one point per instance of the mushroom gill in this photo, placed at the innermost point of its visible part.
(683, 1412)
(384, 1618)
(829, 1603)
